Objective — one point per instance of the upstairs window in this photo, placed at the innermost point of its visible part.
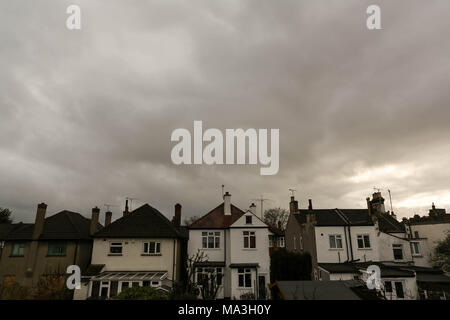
(56, 249)
(249, 239)
(152, 247)
(363, 241)
(248, 219)
(270, 241)
(416, 234)
(398, 251)
(17, 250)
(415, 248)
(335, 241)
(211, 240)
(280, 242)
(115, 248)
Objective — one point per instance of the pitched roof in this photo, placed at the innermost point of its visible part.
(387, 271)
(143, 222)
(216, 219)
(354, 217)
(64, 225)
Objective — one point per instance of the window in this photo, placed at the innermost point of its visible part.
(152, 247)
(248, 219)
(211, 240)
(245, 278)
(335, 241)
(17, 250)
(104, 289)
(388, 286)
(205, 274)
(115, 248)
(398, 251)
(415, 248)
(295, 243)
(399, 289)
(280, 242)
(249, 239)
(363, 241)
(270, 241)
(416, 234)
(56, 249)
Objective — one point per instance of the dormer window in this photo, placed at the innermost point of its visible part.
(248, 219)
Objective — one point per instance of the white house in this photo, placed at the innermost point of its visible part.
(348, 236)
(236, 244)
(143, 248)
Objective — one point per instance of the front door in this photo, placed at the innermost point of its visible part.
(262, 288)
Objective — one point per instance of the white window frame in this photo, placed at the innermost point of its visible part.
(415, 252)
(115, 244)
(249, 236)
(246, 271)
(207, 271)
(362, 238)
(156, 247)
(271, 241)
(215, 235)
(335, 237)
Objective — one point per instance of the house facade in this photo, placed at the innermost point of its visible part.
(425, 232)
(343, 236)
(34, 252)
(142, 248)
(235, 244)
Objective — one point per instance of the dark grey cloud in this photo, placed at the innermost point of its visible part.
(86, 116)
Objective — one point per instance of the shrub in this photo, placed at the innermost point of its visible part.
(286, 265)
(141, 293)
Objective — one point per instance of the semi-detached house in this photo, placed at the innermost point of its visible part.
(236, 244)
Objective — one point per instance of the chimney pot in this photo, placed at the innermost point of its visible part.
(310, 207)
(94, 220)
(108, 218)
(227, 204)
(39, 220)
(293, 205)
(125, 212)
(177, 217)
(253, 208)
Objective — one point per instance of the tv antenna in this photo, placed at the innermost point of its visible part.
(108, 206)
(261, 200)
(377, 189)
(292, 191)
(390, 200)
(131, 201)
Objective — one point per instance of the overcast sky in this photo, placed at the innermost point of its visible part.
(87, 115)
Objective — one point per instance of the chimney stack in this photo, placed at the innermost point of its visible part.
(94, 220)
(310, 207)
(253, 208)
(227, 204)
(108, 218)
(126, 208)
(177, 217)
(293, 205)
(39, 221)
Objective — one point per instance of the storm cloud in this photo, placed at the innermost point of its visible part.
(87, 115)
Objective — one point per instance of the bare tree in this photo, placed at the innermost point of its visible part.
(189, 220)
(274, 216)
(5, 215)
